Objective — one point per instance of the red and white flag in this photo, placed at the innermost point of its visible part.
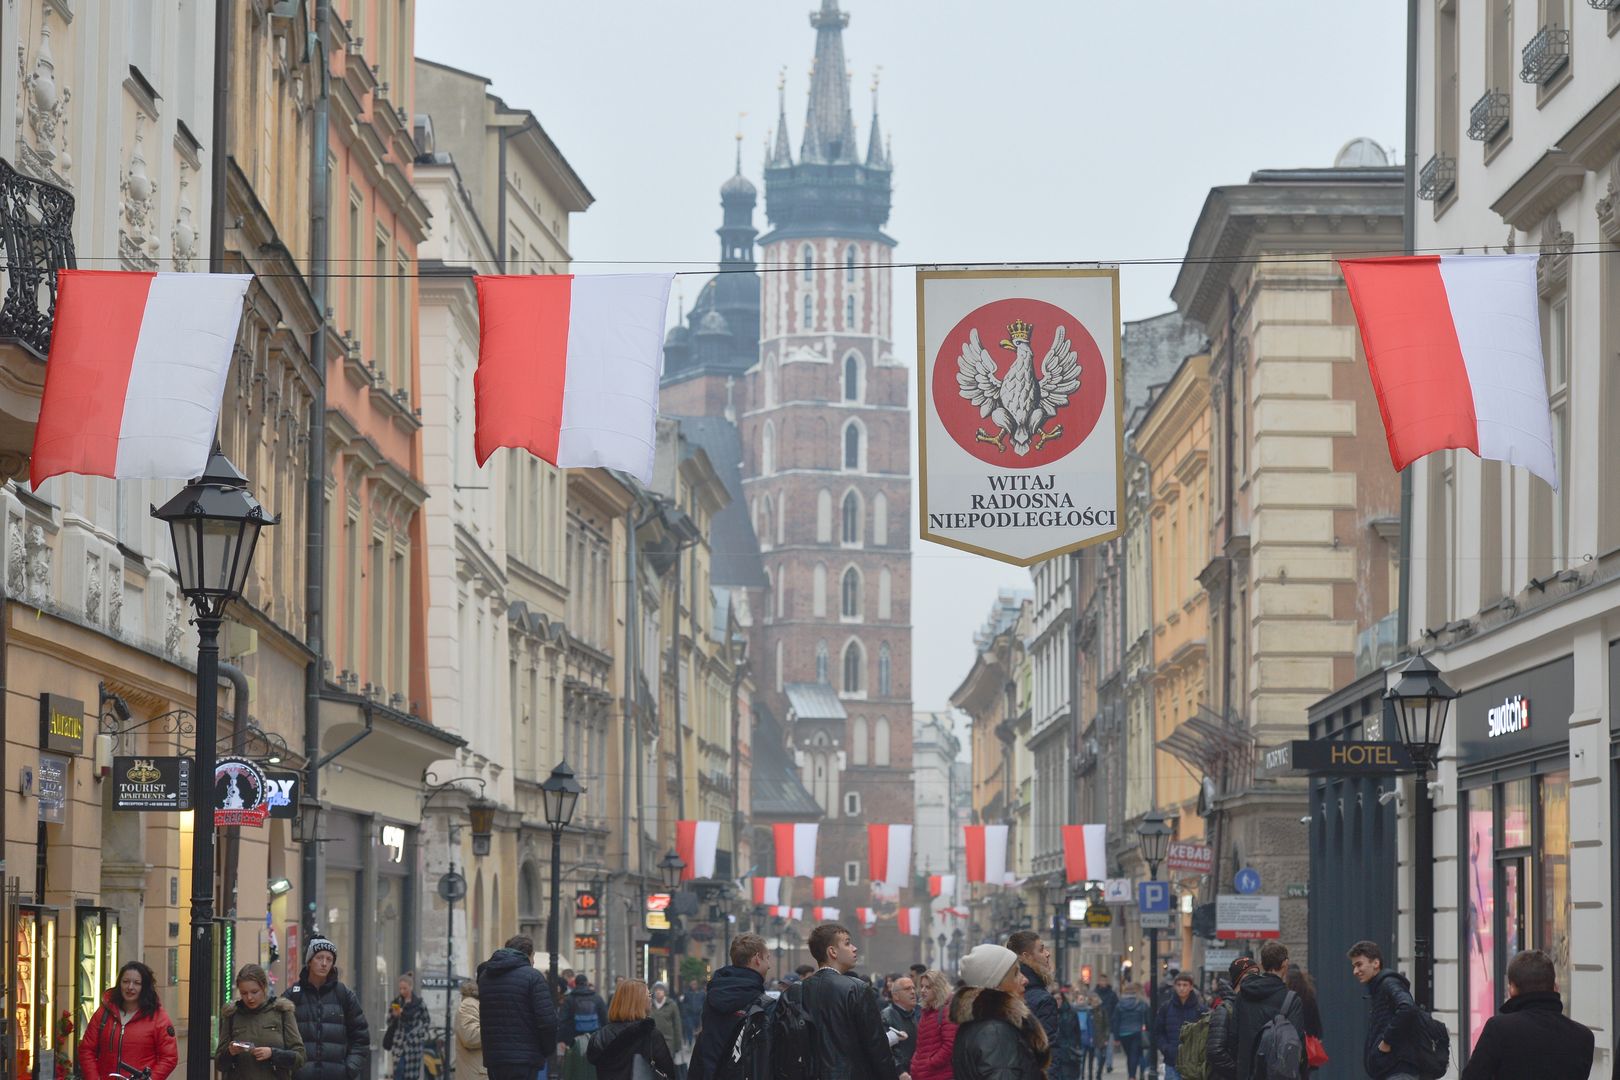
(136, 372)
(568, 367)
(867, 916)
(795, 849)
(795, 914)
(987, 853)
(1085, 853)
(767, 890)
(942, 885)
(911, 921)
(824, 914)
(825, 888)
(889, 853)
(695, 843)
(1453, 343)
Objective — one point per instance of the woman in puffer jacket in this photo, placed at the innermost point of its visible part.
(936, 1031)
(130, 1028)
(997, 1037)
(629, 1033)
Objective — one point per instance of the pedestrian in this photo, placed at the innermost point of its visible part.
(846, 1022)
(936, 1031)
(470, 1035)
(692, 1010)
(1110, 1002)
(1035, 960)
(129, 1028)
(1390, 1051)
(901, 1015)
(667, 1015)
(407, 1032)
(1531, 1036)
(1261, 997)
(517, 1018)
(630, 1042)
(1088, 1018)
(917, 972)
(1300, 982)
(1221, 1050)
(997, 1037)
(583, 1013)
(1130, 1027)
(1066, 1053)
(1182, 1006)
(337, 1041)
(731, 991)
(258, 1033)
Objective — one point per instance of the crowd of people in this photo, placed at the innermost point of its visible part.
(1005, 1016)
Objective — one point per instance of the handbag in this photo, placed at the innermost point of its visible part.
(1316, 1054)
(642, 1069)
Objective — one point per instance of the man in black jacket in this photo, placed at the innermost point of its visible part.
(1531, 1036)
(901, 1016)
(337, 1042)
(1220, 1051)
(1035, 961)
(731, 991)
(515, 1010)
(1390, 1052)
(845, 1019)
(1260, 998)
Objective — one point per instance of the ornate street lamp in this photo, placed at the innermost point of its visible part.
(671, 866)
(214, 522)
(482, 813)
(561, 794)
(1153, 842)
(1421, 700)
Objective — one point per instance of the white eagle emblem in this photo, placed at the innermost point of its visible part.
(1018, 402)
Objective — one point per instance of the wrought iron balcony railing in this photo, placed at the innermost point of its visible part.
(1437, 177)
(1605, 5)
(36, 240)
(1489, 116)
(1545, 55)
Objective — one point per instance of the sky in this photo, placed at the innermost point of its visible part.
(1026, 130)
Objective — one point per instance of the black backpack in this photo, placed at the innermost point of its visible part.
(748, 1055)
(773, 1041)
(1431, 1045)
(793, 1045)
(1280, 1048)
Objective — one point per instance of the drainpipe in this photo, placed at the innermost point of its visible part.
(1408, 245)
(310, 876)
(239, 724)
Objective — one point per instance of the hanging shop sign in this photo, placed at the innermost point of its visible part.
(658, 911)
(151, 783)
(1517, 715)
(1020, 409)
(1335, 757)
(61, 724)
(586, 942)
(1098, 915)
(1185, 857)
(52, 788)
(282, 792)
(241, 792)
(587, 905)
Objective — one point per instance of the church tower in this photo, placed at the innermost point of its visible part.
(826, 430)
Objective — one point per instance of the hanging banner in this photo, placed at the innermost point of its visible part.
(1020, 411)
(241, 792)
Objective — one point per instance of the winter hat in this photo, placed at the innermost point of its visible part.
(986, 965)
(319, 945)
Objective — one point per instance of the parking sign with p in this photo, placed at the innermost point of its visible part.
(1152, 896)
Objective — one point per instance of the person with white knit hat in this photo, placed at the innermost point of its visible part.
(997, 1036)
(337, 1040)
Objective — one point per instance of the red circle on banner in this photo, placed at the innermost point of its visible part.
(976, 432)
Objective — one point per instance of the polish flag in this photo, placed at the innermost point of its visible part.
(889, 853)
(941, 884)
(136, 372)
(824, 914)
(1453, 343)
(867, 916)
(767, 890)
(795, 849)
(1085, 854)
(695, 843)
(568, 367)
(911, 921)
(796, 914)
(987, 853)
(825, 888)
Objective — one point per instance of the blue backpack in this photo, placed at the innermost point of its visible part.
(586, 1018)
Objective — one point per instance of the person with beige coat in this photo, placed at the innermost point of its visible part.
(469, 1035)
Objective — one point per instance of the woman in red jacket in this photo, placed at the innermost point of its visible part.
(936, 1034)
(130, 1029)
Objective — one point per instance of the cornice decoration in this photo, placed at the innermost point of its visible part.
(46, 157)
(1608, 207)
(137, 198)
(183, 236)
(1552, 269)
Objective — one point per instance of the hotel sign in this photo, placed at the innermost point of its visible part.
(61, 724)
(1336, 758)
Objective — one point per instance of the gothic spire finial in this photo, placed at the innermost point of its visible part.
(875, 157)
(783, 157)
(829, 129)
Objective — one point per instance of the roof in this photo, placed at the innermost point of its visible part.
(733, 547)
(814, 701)
(776, 789)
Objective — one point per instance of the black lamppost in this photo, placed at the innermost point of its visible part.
(1422, 699)
(214, 522)
(453, 886)
(1153, 841)
(670, 867)
(561, 793)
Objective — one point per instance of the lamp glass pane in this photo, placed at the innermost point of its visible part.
(184, 532)
(566, 807)
(244, 558)
(553, 798)
(219, 551)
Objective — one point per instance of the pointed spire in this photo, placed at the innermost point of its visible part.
(829, 128)
(875, 158)
(783, 157)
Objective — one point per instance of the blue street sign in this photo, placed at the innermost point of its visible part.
(1152, 896)
(1247, 881)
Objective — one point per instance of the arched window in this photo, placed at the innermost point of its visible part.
(779, 667)
(854, 665)
(880, 741)
(767, 449)
(860, 737)
(880, 519)
(821, 661)
(824, 516)
(852, 378)
(854, 459)
(807, 259)
(849, 313)
(808, 314)
(849, 263)
(885, 593)
(849, 594)
(781, 591)
(885, 675)
(765, 533)
(851, 518)
(781, 518)
(818, 593)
